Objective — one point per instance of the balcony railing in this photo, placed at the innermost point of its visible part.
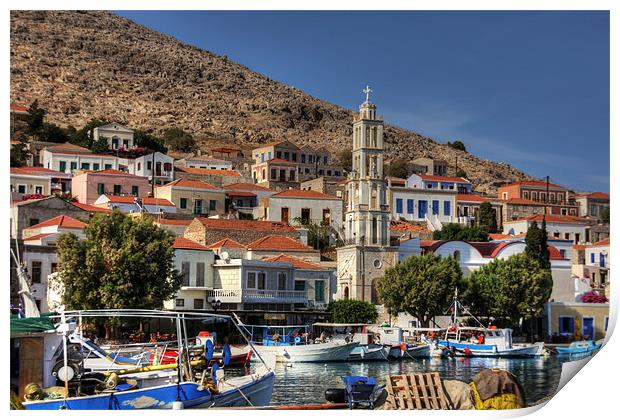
(258, 296)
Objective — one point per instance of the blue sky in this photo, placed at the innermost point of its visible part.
(527, 88)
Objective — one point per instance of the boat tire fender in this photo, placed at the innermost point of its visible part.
(336, 395)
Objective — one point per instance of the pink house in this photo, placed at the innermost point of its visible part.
(89, 185)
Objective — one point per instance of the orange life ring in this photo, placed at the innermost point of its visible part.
(403, 346)
(452, 329)
(492, 327)
(431, 334)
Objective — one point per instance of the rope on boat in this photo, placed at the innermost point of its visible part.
(238, 389)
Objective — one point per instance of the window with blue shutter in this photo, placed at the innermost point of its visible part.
(409, 206)
(446, 208)
(268, 155)
(601, 259)
(262, 157)
(422, 209)
(399, 205)
(435, 206)
(592, 257)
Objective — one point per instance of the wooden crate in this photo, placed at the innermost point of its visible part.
(422, 391)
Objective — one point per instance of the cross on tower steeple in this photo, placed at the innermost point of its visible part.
(367, 91)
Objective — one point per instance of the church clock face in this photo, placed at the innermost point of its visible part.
(377, 263)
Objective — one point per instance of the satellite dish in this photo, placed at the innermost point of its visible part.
(224, 255)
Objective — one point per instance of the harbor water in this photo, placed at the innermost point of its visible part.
(305, 383)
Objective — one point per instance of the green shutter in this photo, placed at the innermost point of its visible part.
(134, 190)
(183, 203)
(63, 166)
(100, 189)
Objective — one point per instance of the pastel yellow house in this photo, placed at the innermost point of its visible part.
(577, 320)
(193, 197)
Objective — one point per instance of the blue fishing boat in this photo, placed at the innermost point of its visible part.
(190, 382)
(579, 347)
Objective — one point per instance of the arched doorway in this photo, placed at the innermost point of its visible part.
(345, 293)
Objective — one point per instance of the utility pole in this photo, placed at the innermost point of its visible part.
(456, 165)
(153, 175)
(546, 200)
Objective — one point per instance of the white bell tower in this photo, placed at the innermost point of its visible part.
(367, 216)
(367, 252)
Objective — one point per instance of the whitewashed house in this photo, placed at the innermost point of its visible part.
(558, 227)
(598, 262)
(40, 255)
(155, 164)
(433, 182)
(131, 204)
(195, 263)
(433, 207)
(473, 255)
(69, 158)
(118, 136)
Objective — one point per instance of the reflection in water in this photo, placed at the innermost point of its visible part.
(305, 383)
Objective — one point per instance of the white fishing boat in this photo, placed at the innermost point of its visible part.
(368, 348)
(479, 341)
(418, 351)
(292, 344)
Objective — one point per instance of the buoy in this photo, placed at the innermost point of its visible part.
(177, 405)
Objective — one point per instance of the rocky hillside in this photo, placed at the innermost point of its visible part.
(84, 65)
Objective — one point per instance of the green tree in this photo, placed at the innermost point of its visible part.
(179, 140)
(422, 286)
(50, 132)
(19, 154)
(456, 232)
(398, 168)
(100, 146)
(122, 263)
(458, 145)
(35, 118)
(84, 136)
(318, 233)
(348, 311)
(487, 218)
(149, 141)
(536, 244)
(605, 215)
(461, 173)
(510, 289)
(345, 159)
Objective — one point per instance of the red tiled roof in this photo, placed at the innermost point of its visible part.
(579, 247)
(397, 181)
(604, 242)
(205, 171)
(240, 194)
(37, 170)
(402, 226)
(19, 108)
(292, 193)
(297, 263)
(442, 178)
(177, 222)
(497, 236)
(236, 224)
(69, 148)
(245, 186)
(279, 242)
(226, 243)
(552, 218)
(90, 208)
(191, 183)
(37, 237)
(598, 194)
(533, 184)
(184, 243)
(474, 198)
(125, 199)
(152, 201)
(61, 221)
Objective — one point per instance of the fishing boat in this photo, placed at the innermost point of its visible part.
(579, 347)
(480, 341)
(367, 350)
(66, 384)
(292, 344)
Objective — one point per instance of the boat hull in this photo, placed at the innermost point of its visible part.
(257, 391)
(322, 352)
(368, 353)
(490, 350)
(418, 352)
